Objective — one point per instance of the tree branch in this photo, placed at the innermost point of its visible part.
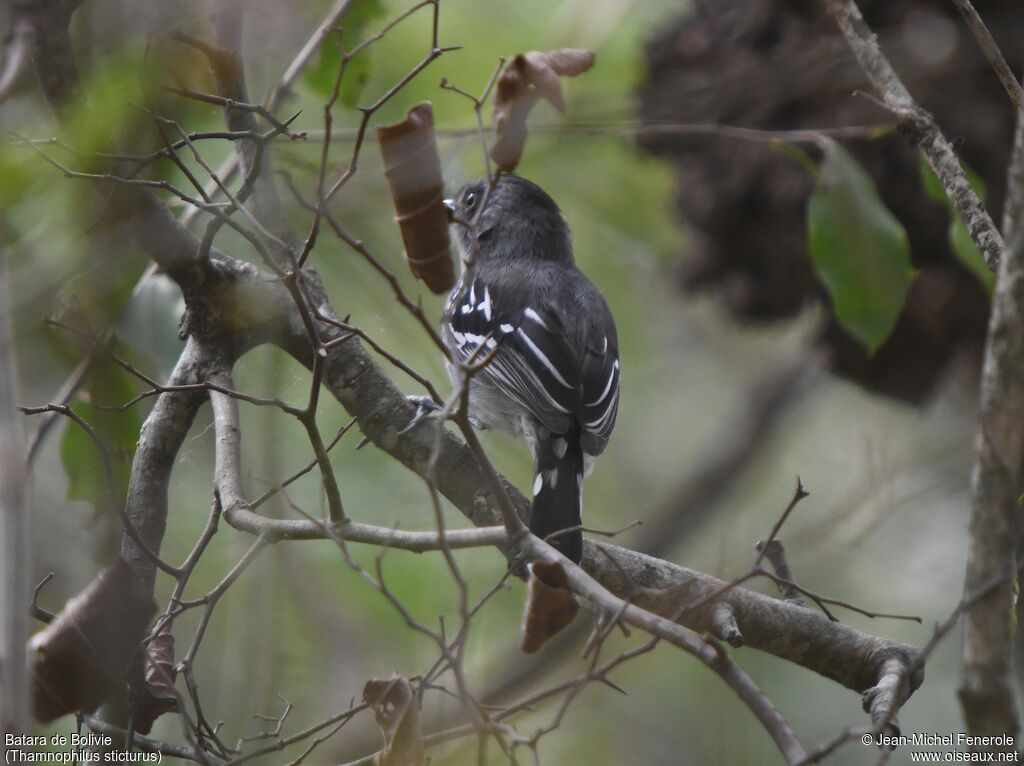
(986, 691)
(992, 53)
(162, 435)
(919, 127)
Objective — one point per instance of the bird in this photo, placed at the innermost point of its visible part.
(546, 340)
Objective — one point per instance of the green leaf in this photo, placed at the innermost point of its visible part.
(959, 237)
(108, 385)
(859, 249)
(320, 77)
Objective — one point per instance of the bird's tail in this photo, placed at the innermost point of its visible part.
(558, 492)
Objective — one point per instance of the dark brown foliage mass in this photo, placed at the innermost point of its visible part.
(782, 65)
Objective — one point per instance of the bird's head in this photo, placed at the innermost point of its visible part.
(519, 220)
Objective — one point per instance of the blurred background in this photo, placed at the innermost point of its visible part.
(736, 377)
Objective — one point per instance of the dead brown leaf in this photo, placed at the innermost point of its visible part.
(527, 78)
(412, 166)
(550, 605)
(397, 712)
(158, 695)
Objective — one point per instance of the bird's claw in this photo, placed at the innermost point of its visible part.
(425, 406)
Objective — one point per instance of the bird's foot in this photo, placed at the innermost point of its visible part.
(425, 407)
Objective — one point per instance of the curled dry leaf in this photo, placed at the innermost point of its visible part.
(550, 605)
(397, 712)
(157, 695)
(412, 166)
(525, 79)
(81, 657)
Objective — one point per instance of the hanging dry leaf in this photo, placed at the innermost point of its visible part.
(412, 166)
(550, 605)
(525, 79)
(157, 695)
(397, 712)
(81, 657)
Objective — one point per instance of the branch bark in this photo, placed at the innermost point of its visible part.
(162, 435)
(986, 691)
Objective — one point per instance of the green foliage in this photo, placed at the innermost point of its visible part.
(103, 113)
(18, 169)
(959, 238)
(321, 76)
(859, 249)
(98, 272)
(108, 385)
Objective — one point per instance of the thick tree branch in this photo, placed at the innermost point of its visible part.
(162, 435)
(986, 691)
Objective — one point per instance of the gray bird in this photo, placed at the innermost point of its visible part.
(553, 374)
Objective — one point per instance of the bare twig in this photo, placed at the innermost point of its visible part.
(919, 127)
(991, 50)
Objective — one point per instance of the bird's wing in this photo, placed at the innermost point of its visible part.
(530, 357)
(600, 384)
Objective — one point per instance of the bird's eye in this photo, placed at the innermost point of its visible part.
(470, 200)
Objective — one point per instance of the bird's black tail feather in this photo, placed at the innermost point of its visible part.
(558, 492)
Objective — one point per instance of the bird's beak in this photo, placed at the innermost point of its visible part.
(450, 204)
